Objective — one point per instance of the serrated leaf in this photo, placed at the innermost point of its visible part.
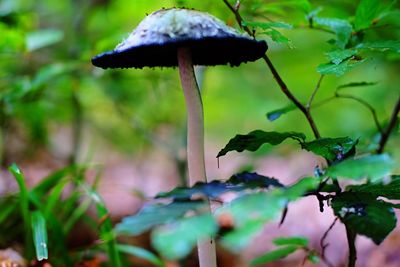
(177, 240)
(392, 45)
(39, 235)
(273, 255)
(341, 28)
(153, 215)
(293, 240)
(365, 215)
(338, 56)
(338, 69)
(332, 149)
(253, 140)
(388, 189)
(277, 37)
(374, 167)
(238, 182)
(355, 84)
(277, 113)
(42, 38)
(366, 12)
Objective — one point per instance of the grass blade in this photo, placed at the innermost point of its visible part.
(106, 228)
(24, 204)
(39, 235)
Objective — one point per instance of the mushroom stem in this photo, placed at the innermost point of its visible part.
(195, 142)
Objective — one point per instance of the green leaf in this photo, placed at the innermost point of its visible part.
(24, 205)
(388, 189)
(338, 56)
(153, 215)
(387, 45)
(239, 238)
(338, 69)
(275, 114)
(365, 215)
(355, 84)
(331, 149)
(277, 37)
(366, 12)
(295, 241)
(238, 182)
(274, 255)
(141, 253)
(374, 167)
(176, 240)
(42, 38)
(253, 140)
(341, 28)
(251, 211)
(39, 235)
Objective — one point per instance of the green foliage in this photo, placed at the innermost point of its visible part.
(237, 183)
(332, 149)
(274, 255)
(253, 140)
(277, 113)
(154, 215)
(388, 189)
(177, 240)
(373, 167)
(365, 215)
(287, 246)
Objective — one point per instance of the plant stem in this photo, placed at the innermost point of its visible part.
(292, 98)
(367, 105)
(276, 75)
(195, 143)
(392, 123)
(308, 106)
(351, 241)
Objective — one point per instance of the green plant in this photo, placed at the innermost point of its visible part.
(359, 207)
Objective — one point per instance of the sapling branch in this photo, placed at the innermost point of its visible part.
(365, 104)
(276, 75)
(392, 123)
(308, 106)
(195, 142)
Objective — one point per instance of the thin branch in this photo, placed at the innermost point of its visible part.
(276, 75)
(392, 123)
(325, 245)
(308, 106)
(367, 105)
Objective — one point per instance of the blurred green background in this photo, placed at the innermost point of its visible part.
(47, 82)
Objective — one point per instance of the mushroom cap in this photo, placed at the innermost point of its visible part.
(155, 41)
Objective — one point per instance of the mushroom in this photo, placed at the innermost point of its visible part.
(183, 38)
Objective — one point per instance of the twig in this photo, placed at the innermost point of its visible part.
(308, 106)
(392, 123)
(276, 75)
(367, 105)
(324, 245)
